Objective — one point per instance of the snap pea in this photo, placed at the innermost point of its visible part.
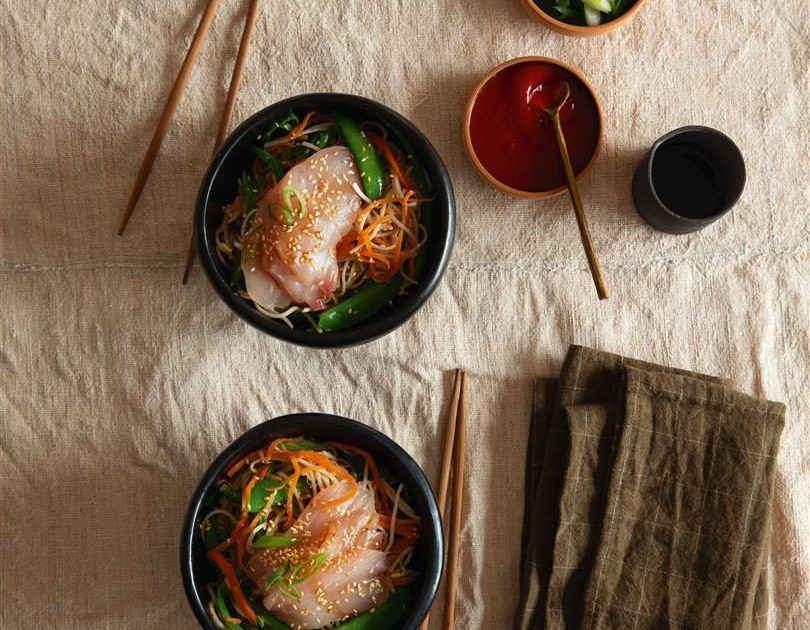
(222, 607)
(372, 172)
(385, 617)
(269, 622)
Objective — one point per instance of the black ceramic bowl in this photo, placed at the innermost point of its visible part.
(428, 559)
(219, 188)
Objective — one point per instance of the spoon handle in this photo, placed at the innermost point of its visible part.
(582, 221)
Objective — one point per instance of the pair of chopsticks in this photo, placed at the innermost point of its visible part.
(455, 447)
(179, 87)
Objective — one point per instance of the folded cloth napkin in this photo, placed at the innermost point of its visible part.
(648, 494)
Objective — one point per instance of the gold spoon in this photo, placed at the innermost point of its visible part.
(550, 98)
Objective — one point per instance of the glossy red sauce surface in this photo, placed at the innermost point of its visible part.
(515, 142)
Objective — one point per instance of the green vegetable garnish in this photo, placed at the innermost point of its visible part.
(584, 12)
(284, 124)
(270, 162)
(276, 575)
(268, 621)
(286, 218)
(246, 193)
(275, 541)
(216, 531)
(372, 171)
(289, 591)
(288, 194)
(324, 139)
(236, 269)
(307, 569)
(303, 445)
(222, 608)
(263, 489)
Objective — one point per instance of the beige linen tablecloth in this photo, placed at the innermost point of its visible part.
(118, 386)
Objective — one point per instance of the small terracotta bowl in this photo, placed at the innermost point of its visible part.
(528, 194)
(581, 31)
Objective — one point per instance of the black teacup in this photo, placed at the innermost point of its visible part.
(691, 177)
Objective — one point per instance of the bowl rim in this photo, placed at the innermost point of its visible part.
(473, 99)
(376, 326)
(264, 430)
(582, 31)
(709, 131)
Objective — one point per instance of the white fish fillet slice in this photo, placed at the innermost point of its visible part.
(353, 578)
(354, 585)
(302, 259)
(261, 287)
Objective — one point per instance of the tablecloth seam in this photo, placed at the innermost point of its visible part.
(741, 257)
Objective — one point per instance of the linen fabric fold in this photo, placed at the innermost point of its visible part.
(648, 499)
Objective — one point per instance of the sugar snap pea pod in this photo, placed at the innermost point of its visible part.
(369, 299)
(385, 616)
(372, 172)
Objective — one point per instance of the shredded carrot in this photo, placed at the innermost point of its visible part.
(344, 248)
(386, 150)
(375, 473)
(386, 250)
(241, 531)
(400, 545)
(291, 491)
(404, 526)
(240, 464)
(298, 129)
(324, 462)
(242, 604)
(401, 580)
(339, 471)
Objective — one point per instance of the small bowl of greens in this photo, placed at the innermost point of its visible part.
(583, 18)
(325, 220)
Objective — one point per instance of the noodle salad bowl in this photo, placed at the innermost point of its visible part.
(312, 521)
(325, 220)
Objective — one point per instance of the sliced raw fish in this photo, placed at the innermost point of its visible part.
(301, 258)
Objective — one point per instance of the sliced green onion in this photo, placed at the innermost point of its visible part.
(289, 591)
(276, 575)
(273, 541)
(287, 217)
(307, 569)
(288, 193)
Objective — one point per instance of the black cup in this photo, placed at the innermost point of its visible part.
(691, 177)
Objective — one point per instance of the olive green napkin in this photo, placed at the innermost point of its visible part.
(632, 472)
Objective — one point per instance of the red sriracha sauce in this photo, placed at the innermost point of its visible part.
(514, 140)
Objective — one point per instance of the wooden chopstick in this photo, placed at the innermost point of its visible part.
(230, 102)
(455, 526)
(447, 458)
(179, 87)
